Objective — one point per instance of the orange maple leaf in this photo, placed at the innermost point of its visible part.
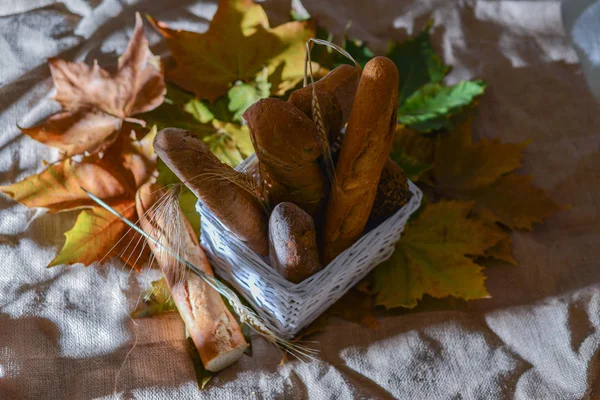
(115, 177)
(237, 45)
(125, 165)
(97, 233)
(96, 102)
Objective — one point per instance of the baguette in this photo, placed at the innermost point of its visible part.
(365, 149)
(211, 326)
(287, 147)
(227, 193)
(293, 243)
(335, 93)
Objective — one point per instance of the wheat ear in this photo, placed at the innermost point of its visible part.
(245, 314)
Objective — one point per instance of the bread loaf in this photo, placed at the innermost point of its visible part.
(335, 93)
(293, 243)
(392, 194)
(227, 193)
(211, 326)
(365, 149)
(286, 144)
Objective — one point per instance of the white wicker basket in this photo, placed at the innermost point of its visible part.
(285, 306)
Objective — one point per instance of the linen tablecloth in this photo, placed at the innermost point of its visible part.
(65, 332)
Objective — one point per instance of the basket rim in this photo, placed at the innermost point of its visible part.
(272, 276)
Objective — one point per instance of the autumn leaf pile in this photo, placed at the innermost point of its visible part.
(474, 196)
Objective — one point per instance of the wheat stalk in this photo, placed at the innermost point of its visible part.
(317, 116)
(245, 314)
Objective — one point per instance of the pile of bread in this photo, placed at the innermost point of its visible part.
(288, 207)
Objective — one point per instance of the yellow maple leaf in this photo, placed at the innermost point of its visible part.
(237, 45)
(434, 257)
(95, 234)
(483, 172)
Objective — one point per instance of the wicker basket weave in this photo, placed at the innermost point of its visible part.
(285, 306)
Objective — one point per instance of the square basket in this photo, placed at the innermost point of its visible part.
(285, 306)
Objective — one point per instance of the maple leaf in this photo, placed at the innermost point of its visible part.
(118, 174)
(482, 172)
(157, 300)
(514, 202)
(95, 102)
(94, 235)
(418, 64)
(413, 152)
(180, 109)
(114, 177)
(434, 257)
(58, 187)
(97, 233)
(183, 110)
(432, 106)
(237, 45)
(243, 95)
(502, 250)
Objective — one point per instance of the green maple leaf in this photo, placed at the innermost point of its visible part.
(432, 106)
(418, 63)
(229, 108)
(243, 95)
(181, 110)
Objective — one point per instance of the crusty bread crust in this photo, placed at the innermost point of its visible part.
(335, 93)
(217, 185)
(211, 326)
(365, 149)
(287, 147)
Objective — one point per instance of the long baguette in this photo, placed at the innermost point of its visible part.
(211, 326)
(287, 147)
(365, 149)
(226, 192)
(335, 93)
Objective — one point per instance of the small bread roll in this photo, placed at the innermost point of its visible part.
(293, 243)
